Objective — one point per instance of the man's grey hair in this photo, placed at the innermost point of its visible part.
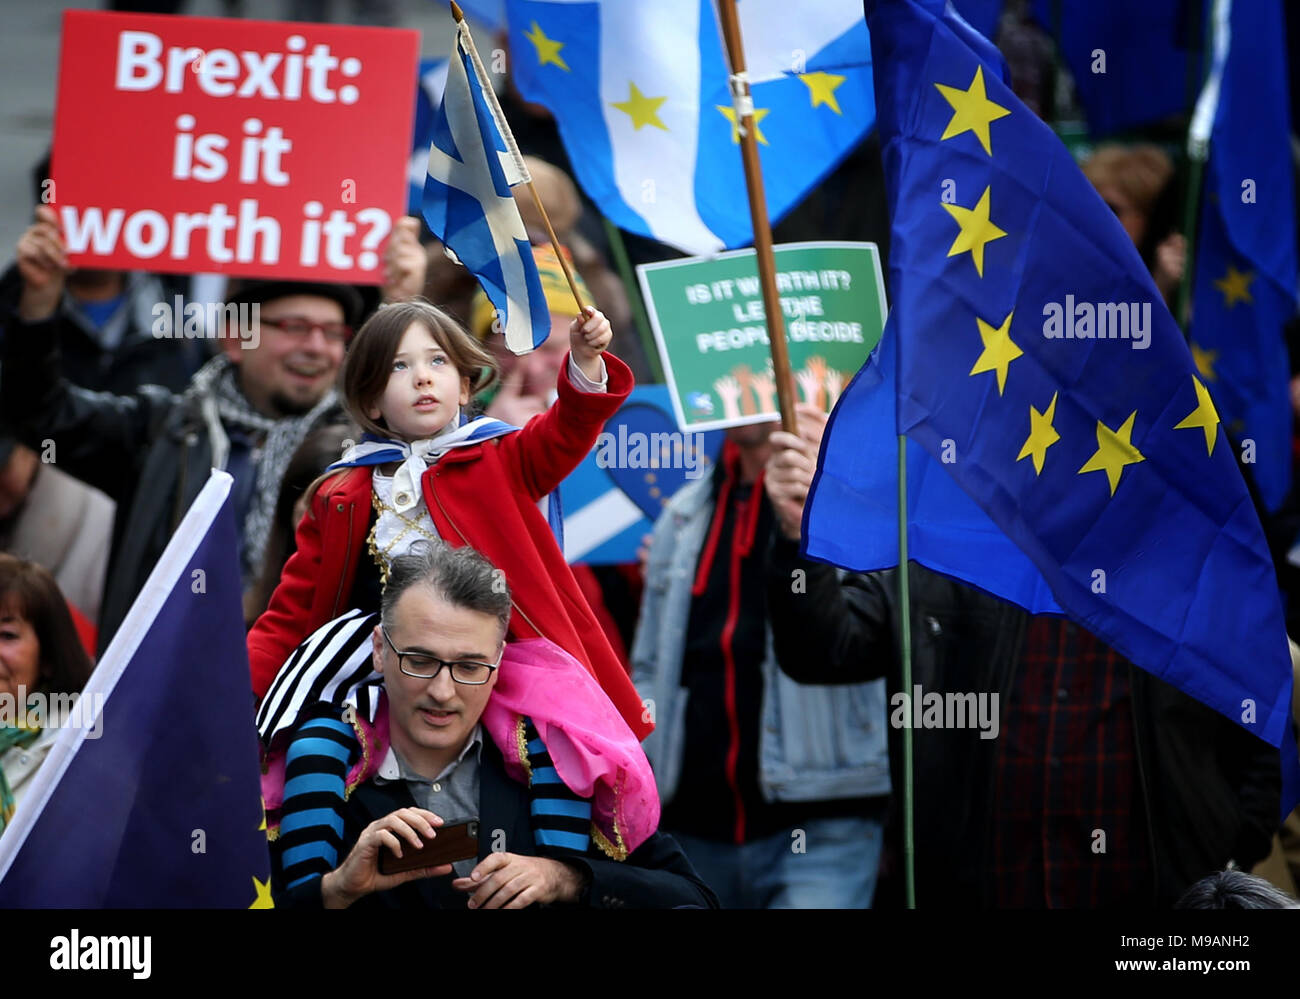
(459, 576)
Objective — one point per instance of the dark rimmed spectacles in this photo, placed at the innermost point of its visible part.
(423, 666)
(300, 327)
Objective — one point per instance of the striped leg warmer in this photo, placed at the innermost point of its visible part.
(311, 824)
(561, 819)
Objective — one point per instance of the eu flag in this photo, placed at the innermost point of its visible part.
(158, 802)
(1246, 253)
(1039, 367)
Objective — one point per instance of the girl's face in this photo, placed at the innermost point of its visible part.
(20, 654)
(424, 388)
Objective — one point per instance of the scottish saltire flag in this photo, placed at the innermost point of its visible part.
(1245, 253)
(640, 94)
(473, 163)
(428, 95)
(1129, 61)
(158, 804)
(1039, 367)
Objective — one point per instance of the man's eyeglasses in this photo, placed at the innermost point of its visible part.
(423, 666)
(300, 327)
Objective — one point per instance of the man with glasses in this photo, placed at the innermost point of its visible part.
(438, 649)
(245, 411)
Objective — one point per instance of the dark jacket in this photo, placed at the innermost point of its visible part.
(139, 358)
(149, 450)
(656, 875)
(1211, 790)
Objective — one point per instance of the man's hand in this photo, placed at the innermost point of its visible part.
(790, 468)
(359, 875)
(511, 406)
(43, 264)
(509, 881)
(405, 262)
(589, 337)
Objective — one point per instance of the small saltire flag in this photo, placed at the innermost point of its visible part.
(428, 95)
(473, 163)
(155, 801)
(1245, 263)
(640, 94)
(1038, 366)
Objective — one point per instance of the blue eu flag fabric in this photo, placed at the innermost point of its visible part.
(151, 797)
(1039, 367)
(1246, 251)
(1129, 61)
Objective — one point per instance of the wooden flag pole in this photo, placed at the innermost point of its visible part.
(743, 105)
(491, 96)
(568, 274)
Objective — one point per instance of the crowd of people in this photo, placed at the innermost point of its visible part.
(451, 715)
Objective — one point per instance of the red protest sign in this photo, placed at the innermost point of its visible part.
(258, 148)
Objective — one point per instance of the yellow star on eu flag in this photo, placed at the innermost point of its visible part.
(999, 350)
(1235, 286)
(641, 109)
(730, 115)
(1042, 435)
(976, 230)
(263, 899)
(1114, 451)
(1203, 417)
(821, 89)
(1204, 361)
(972, 111)
(548, 49)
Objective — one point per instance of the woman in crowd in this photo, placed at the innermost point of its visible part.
(40, 656)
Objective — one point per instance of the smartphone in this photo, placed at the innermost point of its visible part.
(458, 842)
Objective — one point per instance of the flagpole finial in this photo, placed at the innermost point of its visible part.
(456, 12)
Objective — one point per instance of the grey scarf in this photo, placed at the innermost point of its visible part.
(216, 389)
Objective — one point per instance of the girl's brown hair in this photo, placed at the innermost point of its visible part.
(27, 590)
(369, 360)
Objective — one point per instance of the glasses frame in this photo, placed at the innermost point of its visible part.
(442, 663)
(277, 325)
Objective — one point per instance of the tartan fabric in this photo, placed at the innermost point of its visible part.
(1068, 827)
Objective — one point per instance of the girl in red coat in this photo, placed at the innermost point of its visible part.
(424, 472)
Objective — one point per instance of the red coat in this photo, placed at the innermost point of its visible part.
(484, 496)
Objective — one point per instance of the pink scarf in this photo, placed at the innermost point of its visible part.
(593, 750)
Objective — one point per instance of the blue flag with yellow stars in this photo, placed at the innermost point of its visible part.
(150, 796)
(1038, 365)
(1246, 251)
(640, 94)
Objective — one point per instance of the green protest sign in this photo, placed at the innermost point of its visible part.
(708, 319)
